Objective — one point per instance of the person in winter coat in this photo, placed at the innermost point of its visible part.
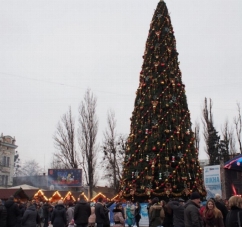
(99, 212)
(58, 217)
(168, 219)
(13, 212)
(212, 216)
(221, 206)
(92, 217)
(235, 204)
(137, 215)
(118, 217)
(3, 215)
(106, 212)
(46, 207)
(178, 212)
(129, 216)
(70, 212)
(156, 213)
(192, 215)
(30, 217)
(82, 212)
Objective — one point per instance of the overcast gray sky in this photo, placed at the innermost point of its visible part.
(52, 51)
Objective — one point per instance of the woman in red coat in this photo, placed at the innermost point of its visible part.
(212, 216)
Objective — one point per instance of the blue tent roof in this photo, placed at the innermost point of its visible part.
(234, 163)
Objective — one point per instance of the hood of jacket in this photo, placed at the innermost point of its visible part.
(31, 207)
(156, 206)
(190, 202)
(59, 207)
(9, 203)
(82, 202)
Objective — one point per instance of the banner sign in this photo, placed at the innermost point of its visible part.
(212, 180)
(65, 177)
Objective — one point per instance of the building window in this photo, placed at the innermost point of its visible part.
(4, 160)
(3, 178)
(8, 161)
(6, 180)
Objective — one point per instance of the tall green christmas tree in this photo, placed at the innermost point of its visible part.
(161, 159)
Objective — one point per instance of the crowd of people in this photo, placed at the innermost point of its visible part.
(196, 213)
(175, 213)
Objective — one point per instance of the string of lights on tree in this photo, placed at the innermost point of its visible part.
(161, 159)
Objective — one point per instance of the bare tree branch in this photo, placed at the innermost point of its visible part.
(64, 139)
(88, 128)
(238, 127)
(113, 149)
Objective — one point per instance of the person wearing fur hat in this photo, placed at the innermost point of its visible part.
(118, 217)
(156, 213)
(192, 217)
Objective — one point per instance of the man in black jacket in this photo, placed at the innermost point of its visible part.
(82, 212)
(46, 212)
(13, 212)
(99, 212)
(3, 215)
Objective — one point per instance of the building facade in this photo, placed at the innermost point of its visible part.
(7, 152)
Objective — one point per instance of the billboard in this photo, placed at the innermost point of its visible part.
(65, 177)
(212, 180)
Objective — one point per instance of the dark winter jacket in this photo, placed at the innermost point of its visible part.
(192, 215)
(30, 217)
(156, 215)
(100, 214)
(232, 217)
(178, 213)
(82, 212)
(106, 222)
(137, 215)
(3, 216)
(58, 217)
(13, 213)
(223, 209)
(106, 212)
(46, 210)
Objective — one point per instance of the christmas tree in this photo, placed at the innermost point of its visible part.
(161, 159)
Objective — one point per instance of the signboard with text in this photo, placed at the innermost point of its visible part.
(212, 180)
(65, 177)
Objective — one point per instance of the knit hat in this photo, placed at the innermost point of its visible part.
(195, 195)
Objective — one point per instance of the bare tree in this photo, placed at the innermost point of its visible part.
(196, 135)
(30, 168)
(88, 128)
(238, 127)
(64, 139)
(227, 146)
(113, 149)
(56, 163)
(210, 134)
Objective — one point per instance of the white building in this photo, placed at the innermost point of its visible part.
(7, 152)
